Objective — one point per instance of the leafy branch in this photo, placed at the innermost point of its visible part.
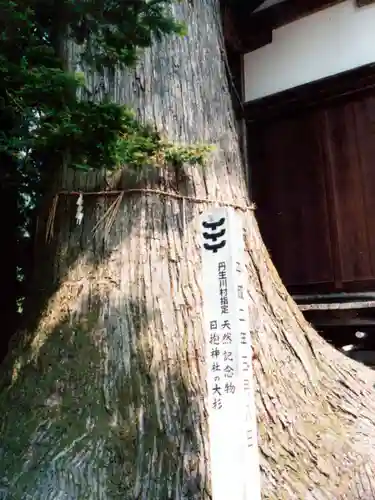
(41, 95)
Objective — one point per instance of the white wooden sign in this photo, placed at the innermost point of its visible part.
(232, 420)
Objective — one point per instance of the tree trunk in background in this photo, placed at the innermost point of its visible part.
(106, 397)
(10, 257)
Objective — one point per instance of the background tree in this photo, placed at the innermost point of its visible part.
(43, 121)
(105, 396)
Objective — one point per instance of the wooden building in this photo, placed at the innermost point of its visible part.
(305, 74)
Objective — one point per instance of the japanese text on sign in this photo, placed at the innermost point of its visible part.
(232, 419)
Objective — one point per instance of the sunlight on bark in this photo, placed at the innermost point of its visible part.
(108, 392)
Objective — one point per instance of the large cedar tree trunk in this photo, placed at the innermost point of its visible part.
(105, 397)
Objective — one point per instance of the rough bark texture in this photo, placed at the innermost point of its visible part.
(105, 398)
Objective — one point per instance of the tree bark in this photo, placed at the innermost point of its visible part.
(106, 397)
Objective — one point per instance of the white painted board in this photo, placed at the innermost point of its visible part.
(234, 450)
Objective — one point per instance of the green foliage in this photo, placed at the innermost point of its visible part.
(42, 120)
(116, 30)
(112, 31)
(109, 136)
(140, 144)
(41, 96)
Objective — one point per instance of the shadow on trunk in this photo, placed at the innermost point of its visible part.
(133, 432)
(58, 228)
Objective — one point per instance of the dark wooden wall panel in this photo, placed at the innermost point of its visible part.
(364, 110)
(292, 211)
(313, 178)
(350, 214)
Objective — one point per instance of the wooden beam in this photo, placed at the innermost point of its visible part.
(289, 11)
(312, 94)
(359, 322)
(255, 25)
(235, 38)
(363, 3)
(370, 304)
(341, 296)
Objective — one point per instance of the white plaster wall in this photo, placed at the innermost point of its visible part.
(323, 44)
